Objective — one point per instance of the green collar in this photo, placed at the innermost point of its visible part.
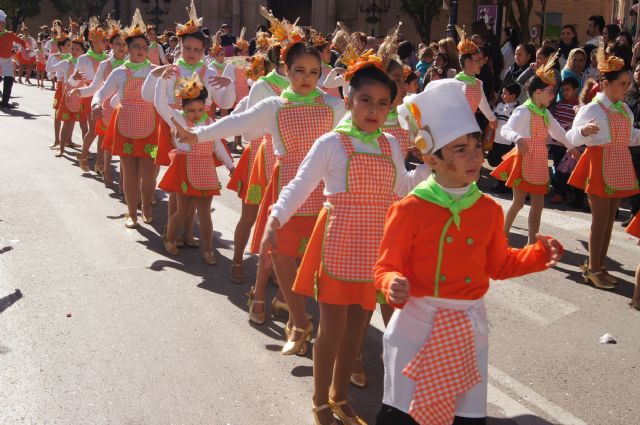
(73, 60)
(541, 111)
(276, 79)
(153, 44)
(292, 96)
(431, 191)
(469, 79)
(65, 56)
(328, 65)
(392, 116)
(201, 120)
(117, 62)
(217, 64)
(98, 57)
(347, 127)
(617, 107)
(191, 68)
(136, 66)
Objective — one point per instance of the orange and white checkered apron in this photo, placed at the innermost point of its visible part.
(473, 95)
(401, 135)
(443, 369)
(535, 168)
(355, 219)
(107, 110)
(241, 83)
(73, 103)
(300, 126)
(617, 166)
(276, 89)
(255, 143)
(137, 117)
(177, 103)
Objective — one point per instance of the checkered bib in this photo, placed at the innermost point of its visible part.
(73, 103)
(355, 221)
(276, 89)
(177, 103)
(617, 167)
(401, 135)
(137, 117)
(255, 144)
(473, 95)
(201, 168)
(535, 168)
(107, 109)
(300, 126)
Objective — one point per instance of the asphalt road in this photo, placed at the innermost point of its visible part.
(99, 326)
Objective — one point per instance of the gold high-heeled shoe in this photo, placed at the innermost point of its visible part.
(298, 346)
(84, 164)
(237, 273)
(257, 318)
(336, 407)
(171, 248)
(316, 409)
(359, 378)
(210, 258)
(277, 305)
(130, 223)
(597, 279)
(607, 276)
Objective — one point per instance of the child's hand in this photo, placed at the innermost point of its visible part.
(493, 124)
(219, 82)
(590, 128)
(575, 153)
(185, 135)
(169, 72)
(159, 70)
(77, 76)
(399, 290)
(96, 112)
(553, 247)
(269, 242)
(522, 146)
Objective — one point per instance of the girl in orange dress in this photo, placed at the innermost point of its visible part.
(363, 172)
(634, 229)
(135, 137)
(605, 170)
(62, 40)
(40, 64)
(525, 168)
(192, 173)
(295, 120)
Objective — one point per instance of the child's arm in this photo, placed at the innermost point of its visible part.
(485, 108)
(587, 129)
(97, 82)
(334, 78)
(557, 133)
(252, 121)
(109, 88)
(223, 155)
(512, 130)
(161, 102)
(224, 97)
(406, 181)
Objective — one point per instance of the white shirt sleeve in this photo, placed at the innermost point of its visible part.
(109, 88)
(333, 80)
(558, 133)
(517, 126)
(584, 115)
(98, 81)
(255, 118)
(163, 59)
(63, 68)
(51, 61)
(484, 106)
(406, 181)
(224, 97)
(149, 87)
(161, 104)
(222, 154)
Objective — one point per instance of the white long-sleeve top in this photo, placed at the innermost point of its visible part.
(85, 67)
(51, 61)
(224, 97)
(261, 119)
(99, 78)
(602, 137)
(161, 103)
(519, 127)
(333, 80)
(328, 161)
(115, 84)
(62, 69)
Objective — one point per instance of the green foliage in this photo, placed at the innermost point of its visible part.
(24, 8)
(422, 13)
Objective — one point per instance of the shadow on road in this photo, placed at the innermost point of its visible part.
(21, 114)
(9, 300)
(520, 420)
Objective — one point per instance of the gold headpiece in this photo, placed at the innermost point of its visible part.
(61, 35)
(137, 27)
(193, 24)
(241, 43)
(114, 28)
(189, 88)
(389, 47)
(365, 60)
(263, 41)
(77, 32)
(318, 40)
(96, 33)
(284, 32)
(545, 72)
(465, 46)
(608, 64)
(216, 47)
(256, 69)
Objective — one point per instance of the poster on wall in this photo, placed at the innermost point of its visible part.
(489, 14)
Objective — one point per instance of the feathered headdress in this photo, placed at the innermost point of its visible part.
(96, 33)
(465, 46)
(189, 88)
(284, 32)
(318, 40)
(608, 64)
(77, 31)
(256, 69)
(113, 28)
(389, 47)
(355, 63)
(545, 72)
(60, 34)
(137, 27)
(241, 43)
(216, 47)
(193, 24)
(341, 38)
(263, 40)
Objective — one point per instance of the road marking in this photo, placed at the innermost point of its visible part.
(511, 409)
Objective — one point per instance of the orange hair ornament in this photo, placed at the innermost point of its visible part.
(96, 32)
(193, 24)
(465, 46)
(256, 69)
(389, 47)
(61, 35)
(137, 27)
(263, 41)
(216, 47)
(318, 40)
(284, 32)
(545, 72)
(365, 60)
(113, 28)
(608, 64)
(189, 88)
(241, 43)
(77, 31)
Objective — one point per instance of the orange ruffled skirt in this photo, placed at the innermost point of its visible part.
(124, 146)
(176, 180)
(510, 172)
(294, 236)
(239, 181)
(164, 143)
(313, 281)
(588, 175)
(634, 227)
(57, 97)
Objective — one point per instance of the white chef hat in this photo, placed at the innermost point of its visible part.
(3, 16)
(438, 115)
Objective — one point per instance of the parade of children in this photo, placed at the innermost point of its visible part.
(358, 179)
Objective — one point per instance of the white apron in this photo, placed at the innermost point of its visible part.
(406, 334)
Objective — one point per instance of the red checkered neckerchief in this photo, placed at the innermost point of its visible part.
(443, 369)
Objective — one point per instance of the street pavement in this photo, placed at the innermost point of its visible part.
(99, 326)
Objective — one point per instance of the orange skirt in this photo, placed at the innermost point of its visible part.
(64, 114)
(57, 97)
(258, 178)
(239, 180)
(176, 180)
(313, 281)
(25, 60)
(164, 143)
(294, 236)
(101, 128)
(588, 175)
(107, 142)
(139, 148)
(634, 227)
(510, 172)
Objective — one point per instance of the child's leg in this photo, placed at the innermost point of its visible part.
(614, 203)
(87, 140)
(635, 300)
(516, 205)
(57, 124)
(100, 154)
(131, 184)
(243, 231)
(286, 268)
(203, 206)
(84, 127)
(29, 72)
(259, 290)
(599, 224)
(535, 215)
(65, 135)
(183, 205)
(108, 176)
(189, 221)
(147, 184)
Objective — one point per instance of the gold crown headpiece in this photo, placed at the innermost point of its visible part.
(284, 32)
(545, 72)
(241, 43)
(263, 40)
(137, 27)
(77, 31)
(465, 46)
(608, 64)
(318, 40)
(96, 32)
(60, 34)
(216, 47)
(193, 24)
(365, 60)
(114, 28)
(257, 67)
(389, 47)
(189, 88)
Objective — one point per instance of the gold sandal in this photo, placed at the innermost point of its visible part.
(237, 273)
(298, 346)
(257, 318)
(336, 407)
(597, 279)
(210, 258)
(316, 409)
